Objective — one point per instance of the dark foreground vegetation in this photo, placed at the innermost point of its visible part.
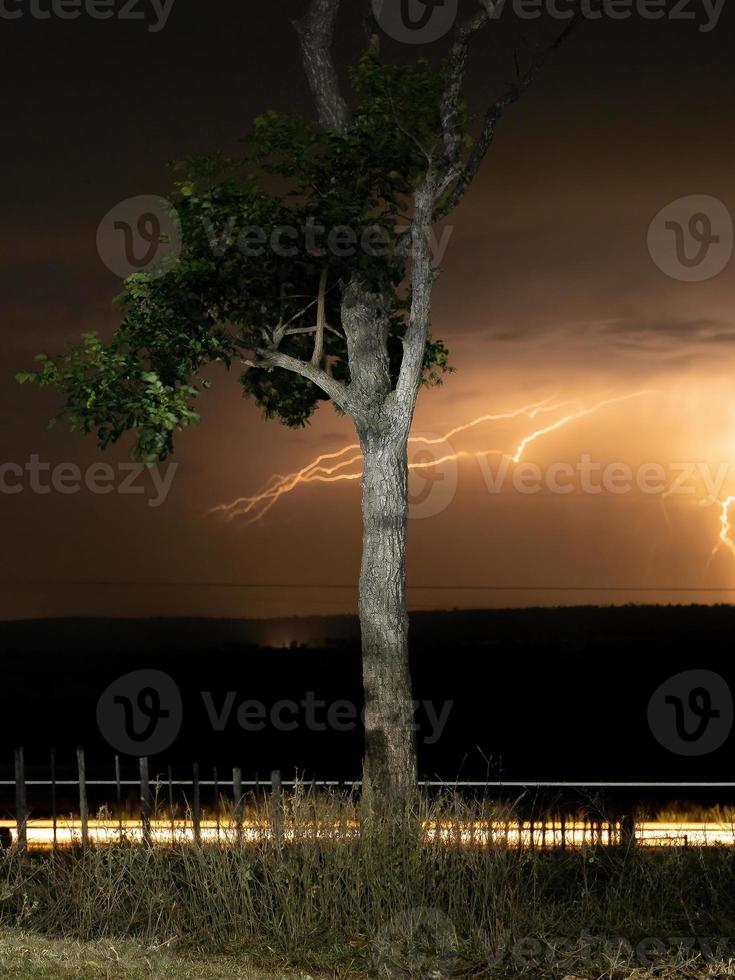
(384, 903)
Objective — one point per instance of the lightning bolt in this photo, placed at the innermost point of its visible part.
(725, 537)
(332, 467)
(570, 418)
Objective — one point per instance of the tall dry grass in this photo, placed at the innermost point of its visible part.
(385, 901)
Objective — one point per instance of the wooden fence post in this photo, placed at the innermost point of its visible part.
(627, 831)
(171, 807)
(54, 814)
(216, 801)
(21, 807)
(145, 800)
(118, 797)
(237, 797)
(277, 807)
(196, 812)
(83, 804)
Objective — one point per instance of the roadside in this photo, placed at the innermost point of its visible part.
(25, 956)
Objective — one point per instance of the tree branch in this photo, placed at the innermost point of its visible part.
(422, 282)
(466, 175)
(329, 385)
(316, 32)
(316, 357)
(296, 331)
(456, 68)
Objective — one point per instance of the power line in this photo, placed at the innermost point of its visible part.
(311, 586)
(437, 783)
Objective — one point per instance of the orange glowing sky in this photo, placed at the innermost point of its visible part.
(547, 295)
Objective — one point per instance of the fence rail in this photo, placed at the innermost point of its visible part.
(428, 783)
(157, 794)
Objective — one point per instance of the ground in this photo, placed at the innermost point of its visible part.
(24, 956)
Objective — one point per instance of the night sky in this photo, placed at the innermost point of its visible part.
(548, 291)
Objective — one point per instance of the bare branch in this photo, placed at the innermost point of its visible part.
(456, 68)
(296, 331)
(422, 282)
(513, 93)
(409, 135)
(282, 329)
(316, 357)
(316, 32)
(329, 385)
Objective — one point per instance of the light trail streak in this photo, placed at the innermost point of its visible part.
(316, 471)
(539, 835)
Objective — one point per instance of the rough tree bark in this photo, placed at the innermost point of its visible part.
(382, 418)
(389, 772)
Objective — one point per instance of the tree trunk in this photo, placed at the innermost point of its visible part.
(390, 751)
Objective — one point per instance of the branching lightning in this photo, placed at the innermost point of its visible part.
(338, 466)
(583, 413)
(725, 538)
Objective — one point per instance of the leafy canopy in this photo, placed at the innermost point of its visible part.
(230, 289)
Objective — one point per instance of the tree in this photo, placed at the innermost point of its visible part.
(309, 323)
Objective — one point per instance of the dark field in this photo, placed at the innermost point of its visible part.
(539, 694)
